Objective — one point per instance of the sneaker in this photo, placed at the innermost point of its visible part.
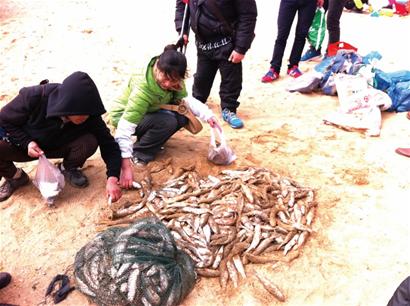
(270, 76)
(310, 55)
(75, 177)
(232, 119)
(5, 279)
(294, 72)
(11, 185)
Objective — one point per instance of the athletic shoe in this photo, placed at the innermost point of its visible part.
(294, 72)
(310, 55)
(270, 76)
(232, 119)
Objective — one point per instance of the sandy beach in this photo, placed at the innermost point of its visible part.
(359, 251)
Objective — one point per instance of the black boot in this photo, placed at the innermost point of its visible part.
(75, 177)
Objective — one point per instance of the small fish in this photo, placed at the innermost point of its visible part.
(271, 288)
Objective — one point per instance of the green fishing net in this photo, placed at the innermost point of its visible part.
(135, 265)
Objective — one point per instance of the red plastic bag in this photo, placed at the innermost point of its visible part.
(339, 45)
(49, 180)
(219, 152)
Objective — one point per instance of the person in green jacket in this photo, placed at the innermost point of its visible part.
(137, 112)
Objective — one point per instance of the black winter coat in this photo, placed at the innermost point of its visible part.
(240, 14)
(36, 115)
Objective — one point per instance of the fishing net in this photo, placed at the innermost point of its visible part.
(135, 265)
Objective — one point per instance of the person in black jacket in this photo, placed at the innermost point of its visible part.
(60, 121)
(401, 296)
(224, 31)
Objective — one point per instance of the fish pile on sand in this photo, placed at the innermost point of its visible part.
(224, 222)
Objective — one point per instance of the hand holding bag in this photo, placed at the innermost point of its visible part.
(49, 180)
(219, 152)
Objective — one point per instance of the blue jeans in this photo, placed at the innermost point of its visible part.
(287, 12)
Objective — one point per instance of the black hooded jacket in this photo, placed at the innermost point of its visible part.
(36, 115)
(239, 14)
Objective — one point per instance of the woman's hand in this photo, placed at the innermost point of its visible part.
(33, 150)
(214, 123)
(112, 189)
(126, 177)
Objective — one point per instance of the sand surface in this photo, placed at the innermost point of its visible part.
(359, 252)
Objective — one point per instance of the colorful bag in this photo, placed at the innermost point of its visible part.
(339, 45)
(317, 29)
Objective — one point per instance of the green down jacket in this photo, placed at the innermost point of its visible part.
(142, 95)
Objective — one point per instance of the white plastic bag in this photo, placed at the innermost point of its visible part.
(49, 180)
(359, 105)
(219, 152)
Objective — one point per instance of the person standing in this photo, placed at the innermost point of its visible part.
(224, 31)
(334, 10)
(305, 10)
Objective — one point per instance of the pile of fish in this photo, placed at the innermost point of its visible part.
(237, 217)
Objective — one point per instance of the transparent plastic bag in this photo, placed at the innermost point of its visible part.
(49, 180)
(219, 152)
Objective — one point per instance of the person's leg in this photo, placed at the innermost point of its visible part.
(306, 12)
(13, 177)
(286, 15)
(76, 152)
(74, 155)
(334, 13)
(153, 131)
(204, 76)
(231, 78)
(401, 296)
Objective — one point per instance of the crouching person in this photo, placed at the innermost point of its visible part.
(59, 121)
(138, 111)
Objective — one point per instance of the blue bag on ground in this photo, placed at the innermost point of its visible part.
(397, 86)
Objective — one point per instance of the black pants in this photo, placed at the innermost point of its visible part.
(208, 64)
(287, 12)
(154, 130)
(74, 154)
(335, 10)
(401, 297)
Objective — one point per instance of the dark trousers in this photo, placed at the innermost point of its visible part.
(208, 64)
(74, 154)
(401, 297)
(154, 130)
(287, 12)
(335, 10)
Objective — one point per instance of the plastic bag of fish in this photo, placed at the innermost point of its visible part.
(219, 152)
(135, 265)
(49, 180)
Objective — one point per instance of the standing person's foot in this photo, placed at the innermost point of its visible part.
(232, 119)
(11, 185)
(294, 72)
(5, 279)
(310, 55)
(270, 76)
(75, 177)
(403, 151)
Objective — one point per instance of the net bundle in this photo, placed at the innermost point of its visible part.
(135, 265)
